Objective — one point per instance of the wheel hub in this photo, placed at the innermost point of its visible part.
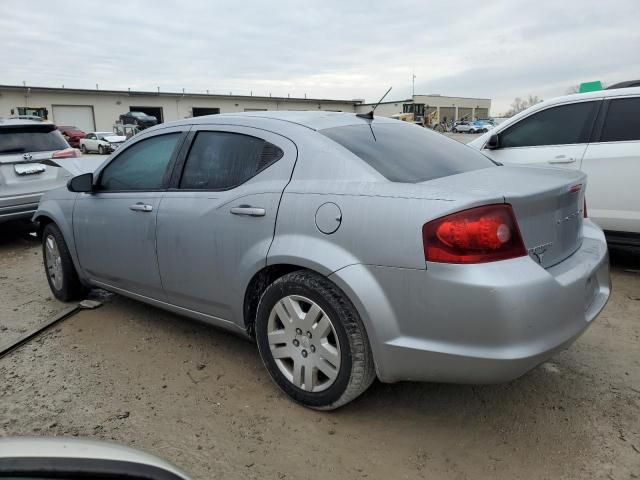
(53, 261)
(304, 343)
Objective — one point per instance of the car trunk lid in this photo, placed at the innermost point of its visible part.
(548, 204)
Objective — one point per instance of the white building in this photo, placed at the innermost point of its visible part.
(92, 110)
(439, 107)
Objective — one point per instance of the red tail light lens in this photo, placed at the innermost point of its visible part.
(478, 235)
(66, 153)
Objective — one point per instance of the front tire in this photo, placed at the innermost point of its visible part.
(312, 341)
(100, 149)
(61, 273)
(83, 148)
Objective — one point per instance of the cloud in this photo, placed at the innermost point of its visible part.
(327, 48)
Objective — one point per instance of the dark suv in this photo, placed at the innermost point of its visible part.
(142, 120)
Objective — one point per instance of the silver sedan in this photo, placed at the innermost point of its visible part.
(349, 248)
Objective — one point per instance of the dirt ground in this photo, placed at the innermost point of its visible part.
(201, 398)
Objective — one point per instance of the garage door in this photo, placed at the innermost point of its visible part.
(80, 116)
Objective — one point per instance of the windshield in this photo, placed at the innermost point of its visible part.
(407, 153)
(31, 139)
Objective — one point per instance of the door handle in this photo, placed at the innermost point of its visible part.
(562, 159)
(249, 211)
(141, 207)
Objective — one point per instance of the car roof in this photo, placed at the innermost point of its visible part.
(575, 97)
(617, 92)
(309, 119)
(14, 122)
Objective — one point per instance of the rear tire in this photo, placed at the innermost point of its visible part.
(312, 341)
(61, 273)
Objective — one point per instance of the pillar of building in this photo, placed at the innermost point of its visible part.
(455, 118)
(473, 113)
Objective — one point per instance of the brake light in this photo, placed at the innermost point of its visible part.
(478, 235)
(66, 153)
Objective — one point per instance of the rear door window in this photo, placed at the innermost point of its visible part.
(407, 153)
(224, 160)
(561, 125)
(623, 120)
(28, 138)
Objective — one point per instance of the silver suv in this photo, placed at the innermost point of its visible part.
(23, 180)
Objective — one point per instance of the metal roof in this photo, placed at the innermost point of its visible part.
(133, 93)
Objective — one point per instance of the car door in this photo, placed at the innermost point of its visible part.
(556, 136)
(612, 163)
(216, 223)
(88, 140)
(115, 226)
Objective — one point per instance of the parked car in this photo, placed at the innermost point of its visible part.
(23, 144)
(598, 133)
(72, 135)
(42, 458)
(140, 119)
(481, 126)
(469, 127)
(348, 248)
(101, 142)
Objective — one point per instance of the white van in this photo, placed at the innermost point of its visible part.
(597, 132)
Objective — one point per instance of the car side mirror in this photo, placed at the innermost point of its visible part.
(493, 143)
(81, 183)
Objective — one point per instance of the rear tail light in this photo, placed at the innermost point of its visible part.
(66, 153)
(478, 235)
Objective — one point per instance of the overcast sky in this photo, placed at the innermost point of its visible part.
(326, 49)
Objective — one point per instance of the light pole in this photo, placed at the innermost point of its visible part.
(413, 84)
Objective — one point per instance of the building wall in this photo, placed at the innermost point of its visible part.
(444, 106)
(108, 106)
(383, 110)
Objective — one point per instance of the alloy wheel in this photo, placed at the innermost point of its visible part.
(304, 343)
(54, 262)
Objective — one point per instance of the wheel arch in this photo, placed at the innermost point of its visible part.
(59, 213)
(258, 284)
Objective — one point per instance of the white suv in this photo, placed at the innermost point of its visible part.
(597, 132)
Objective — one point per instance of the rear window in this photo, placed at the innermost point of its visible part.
(23, 139)
(407, 153)
(623, 120)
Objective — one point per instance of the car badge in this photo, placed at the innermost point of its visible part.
(27, 156)
(540, 250)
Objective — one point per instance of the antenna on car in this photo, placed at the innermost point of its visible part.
(369, 115)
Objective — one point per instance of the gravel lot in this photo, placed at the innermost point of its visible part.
(200, 397)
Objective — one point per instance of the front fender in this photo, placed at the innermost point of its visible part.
(60, 212)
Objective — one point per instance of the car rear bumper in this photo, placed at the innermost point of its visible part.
(484, 323)
(18, 207)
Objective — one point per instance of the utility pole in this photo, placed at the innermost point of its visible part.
(413, 84)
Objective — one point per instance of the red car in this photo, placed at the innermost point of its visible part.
(72, 135)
